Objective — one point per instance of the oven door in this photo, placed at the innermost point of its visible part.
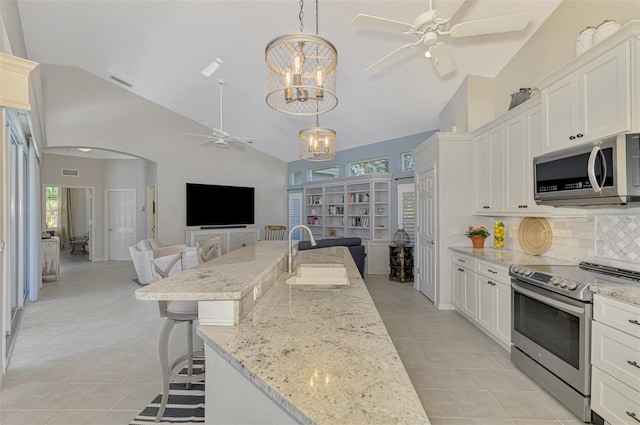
(553, 330)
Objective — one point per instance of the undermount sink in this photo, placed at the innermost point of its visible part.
(320, 276)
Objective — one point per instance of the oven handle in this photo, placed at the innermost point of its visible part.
(546, 300)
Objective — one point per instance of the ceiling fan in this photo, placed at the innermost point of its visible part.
(221, 138)
(429, 26)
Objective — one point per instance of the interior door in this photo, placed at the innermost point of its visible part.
(122, 223)
(426, 233)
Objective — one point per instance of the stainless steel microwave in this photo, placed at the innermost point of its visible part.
(599, 173)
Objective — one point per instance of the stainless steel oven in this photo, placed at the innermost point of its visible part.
(551, 327)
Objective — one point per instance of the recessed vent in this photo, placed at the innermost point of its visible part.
(70, 172)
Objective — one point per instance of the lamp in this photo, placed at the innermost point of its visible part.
(301, 72)
(84, 149)
(317, 144)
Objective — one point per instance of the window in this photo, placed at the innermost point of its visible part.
(324, 173)
(407, 162)
(369, 166)
(52, 209)
(295, 178)
(295, 213)
(407, 209)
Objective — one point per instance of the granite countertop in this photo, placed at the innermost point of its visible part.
(323, 355)
(229, 277)
(506, 257)
(628, 293)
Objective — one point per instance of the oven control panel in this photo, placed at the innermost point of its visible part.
(558, 284)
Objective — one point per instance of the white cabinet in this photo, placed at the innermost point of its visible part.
(590, 103)
(482, 292)
(615, 357)
(504, 163)
(230, 238)
(377, 257)
(50, 257)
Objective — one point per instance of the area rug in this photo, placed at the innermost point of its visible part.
(185, 406)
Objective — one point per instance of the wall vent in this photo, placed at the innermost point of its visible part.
(70, 172)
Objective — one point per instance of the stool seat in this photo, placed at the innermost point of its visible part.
(183, 307)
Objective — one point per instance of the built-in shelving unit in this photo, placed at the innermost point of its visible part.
(349, 207)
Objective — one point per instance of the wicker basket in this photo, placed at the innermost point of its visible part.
(534, 235)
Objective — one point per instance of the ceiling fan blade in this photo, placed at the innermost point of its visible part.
(244, 139)
(499, 24)
(380, 23)
(236, 144)
(442, 59)
(209, 142)
(391, 57)
(197, 135)
(446, 9)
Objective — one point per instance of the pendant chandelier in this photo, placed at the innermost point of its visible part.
(317, 144)
(301, 72)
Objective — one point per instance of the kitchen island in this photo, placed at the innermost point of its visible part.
(306, 356)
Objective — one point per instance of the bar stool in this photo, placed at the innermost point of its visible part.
(165, 262)
(208, 249)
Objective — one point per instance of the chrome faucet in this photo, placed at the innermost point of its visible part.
(312, 240)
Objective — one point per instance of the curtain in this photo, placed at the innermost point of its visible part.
(67, 228)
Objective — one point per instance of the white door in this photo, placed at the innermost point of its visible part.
(122, 223)
(426, 233)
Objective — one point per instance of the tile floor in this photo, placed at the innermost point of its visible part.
(86, 354)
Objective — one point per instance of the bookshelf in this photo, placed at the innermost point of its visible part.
(349, 207)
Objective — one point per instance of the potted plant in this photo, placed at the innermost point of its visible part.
(477, 235)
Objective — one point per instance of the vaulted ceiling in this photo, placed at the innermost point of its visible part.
(160, 47)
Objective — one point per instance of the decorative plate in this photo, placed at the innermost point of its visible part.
(534, 235)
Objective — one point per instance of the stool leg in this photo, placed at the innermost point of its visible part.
(163, 349)
(190, 351)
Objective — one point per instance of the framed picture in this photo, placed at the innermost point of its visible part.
(363, 211)
(314, 211)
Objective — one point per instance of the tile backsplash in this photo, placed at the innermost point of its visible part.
(612, 238)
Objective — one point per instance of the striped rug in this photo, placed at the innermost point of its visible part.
(185, 406)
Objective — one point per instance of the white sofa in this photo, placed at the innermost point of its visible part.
(141, 257)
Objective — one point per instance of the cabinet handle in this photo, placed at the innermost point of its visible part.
(492, 271)
(579, 135)
(634, 321)
(633, 415)
(572, 137)
(491, 283)
(461, 260)
(633, 363)
(460, 270)
(486, 207)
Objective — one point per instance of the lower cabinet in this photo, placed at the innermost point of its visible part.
(482, 293)
(615, 360)
(231, 239)
(377, 256)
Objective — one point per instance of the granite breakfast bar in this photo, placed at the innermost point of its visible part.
(296, 355)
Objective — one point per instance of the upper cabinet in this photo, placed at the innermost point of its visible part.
(503, 166)
(592, 102)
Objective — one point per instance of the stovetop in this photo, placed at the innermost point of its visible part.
(573, 281)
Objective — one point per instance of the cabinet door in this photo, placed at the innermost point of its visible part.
(481, 175)
(486, 303)
(533, 142)
(503, 313)
(496, 168)
(559, 113)
(457, 280)
(517, 165)
(470, 297)
(604, 95)
(377, 257)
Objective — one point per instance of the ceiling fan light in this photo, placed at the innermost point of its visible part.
(84, 149)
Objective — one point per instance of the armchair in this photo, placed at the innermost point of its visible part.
(141, 255)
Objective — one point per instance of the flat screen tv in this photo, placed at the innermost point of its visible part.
(213, 205)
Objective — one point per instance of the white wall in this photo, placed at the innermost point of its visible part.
(554, 43)
(84, 110)
(470, 107)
